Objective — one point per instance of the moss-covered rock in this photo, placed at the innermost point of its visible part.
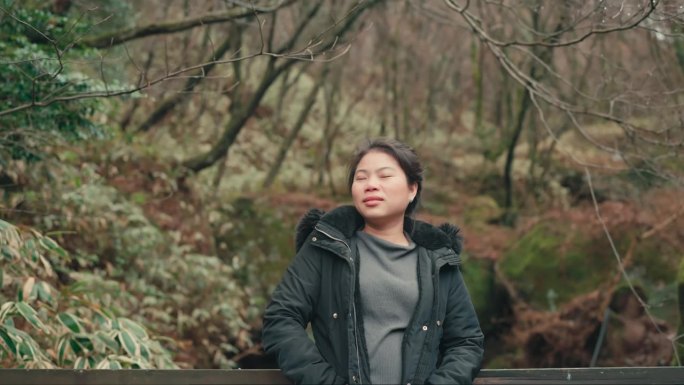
(551, 259)
(557, 260)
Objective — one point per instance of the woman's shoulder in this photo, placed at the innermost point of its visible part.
(435, 237)
(306, 225)
(343, 221)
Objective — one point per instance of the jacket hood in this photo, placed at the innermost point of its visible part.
(347, 220)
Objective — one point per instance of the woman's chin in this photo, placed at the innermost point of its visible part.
(376, 214)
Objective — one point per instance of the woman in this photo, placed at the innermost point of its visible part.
(383, 292)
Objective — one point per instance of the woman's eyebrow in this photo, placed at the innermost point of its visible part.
(376, 170)
(385, 168)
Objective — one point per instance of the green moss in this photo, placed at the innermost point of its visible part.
(550, 259)
(659, 258)
(480, 210)
(555, 259)
(139, 198)
(478, 275)
(654, 267)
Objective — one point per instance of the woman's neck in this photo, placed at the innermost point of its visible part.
(391, 232)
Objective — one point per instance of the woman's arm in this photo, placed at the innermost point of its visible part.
(291, 308)
(462, 340)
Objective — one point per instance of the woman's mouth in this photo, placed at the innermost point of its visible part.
(372, 201)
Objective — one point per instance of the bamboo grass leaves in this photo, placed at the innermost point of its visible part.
(43, 327)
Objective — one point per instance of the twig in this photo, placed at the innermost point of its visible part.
(621, 265)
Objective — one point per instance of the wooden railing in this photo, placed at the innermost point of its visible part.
(575, 376)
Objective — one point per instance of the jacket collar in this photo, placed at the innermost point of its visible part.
(345, 220)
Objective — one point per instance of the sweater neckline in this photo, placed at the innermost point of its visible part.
(387, 244)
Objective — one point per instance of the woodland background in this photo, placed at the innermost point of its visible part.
(155, 157)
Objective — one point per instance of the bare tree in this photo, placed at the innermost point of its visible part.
(292, 135)
(323, 42)
(629, 85)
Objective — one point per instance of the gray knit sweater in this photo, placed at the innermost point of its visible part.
(389, 293)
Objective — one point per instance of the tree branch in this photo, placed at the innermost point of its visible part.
(237, 122)
(475, 25)
(117, 37)
(168, 104)
(126, 91)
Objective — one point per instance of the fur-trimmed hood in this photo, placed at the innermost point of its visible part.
(347, 220)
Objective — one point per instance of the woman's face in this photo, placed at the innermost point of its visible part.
(380, 189)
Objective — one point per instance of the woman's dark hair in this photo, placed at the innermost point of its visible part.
(402, 153)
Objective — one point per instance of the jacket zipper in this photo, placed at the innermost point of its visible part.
(413, 318)
(351, 298)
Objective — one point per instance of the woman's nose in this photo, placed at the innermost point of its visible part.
(371, 184)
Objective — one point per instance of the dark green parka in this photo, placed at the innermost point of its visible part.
(443, 343)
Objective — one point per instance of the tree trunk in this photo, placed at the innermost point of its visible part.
(509, 215)
(544, 55)
(238, 120)
(236, 123)
(285, 147)
(331, 94)
(394, 65)
(477, 61)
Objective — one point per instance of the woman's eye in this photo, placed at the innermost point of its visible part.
(385, 176)
(361, 178)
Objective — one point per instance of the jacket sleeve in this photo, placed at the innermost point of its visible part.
(291, 308)
(462, 340)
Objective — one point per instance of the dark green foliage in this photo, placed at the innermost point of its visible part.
(120, 260)
(643, 176)
(481, 281)
(258, 241)
(38, 65)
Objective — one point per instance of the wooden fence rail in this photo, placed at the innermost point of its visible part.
(574, 376)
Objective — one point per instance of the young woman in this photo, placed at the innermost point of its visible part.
(383, 292)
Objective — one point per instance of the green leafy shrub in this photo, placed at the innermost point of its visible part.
(50, 318)
(120, 258)
(35, 45)
(257, 240)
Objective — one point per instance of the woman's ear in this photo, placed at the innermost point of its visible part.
(413, 191)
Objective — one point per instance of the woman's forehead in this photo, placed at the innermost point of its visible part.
(375, 160)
